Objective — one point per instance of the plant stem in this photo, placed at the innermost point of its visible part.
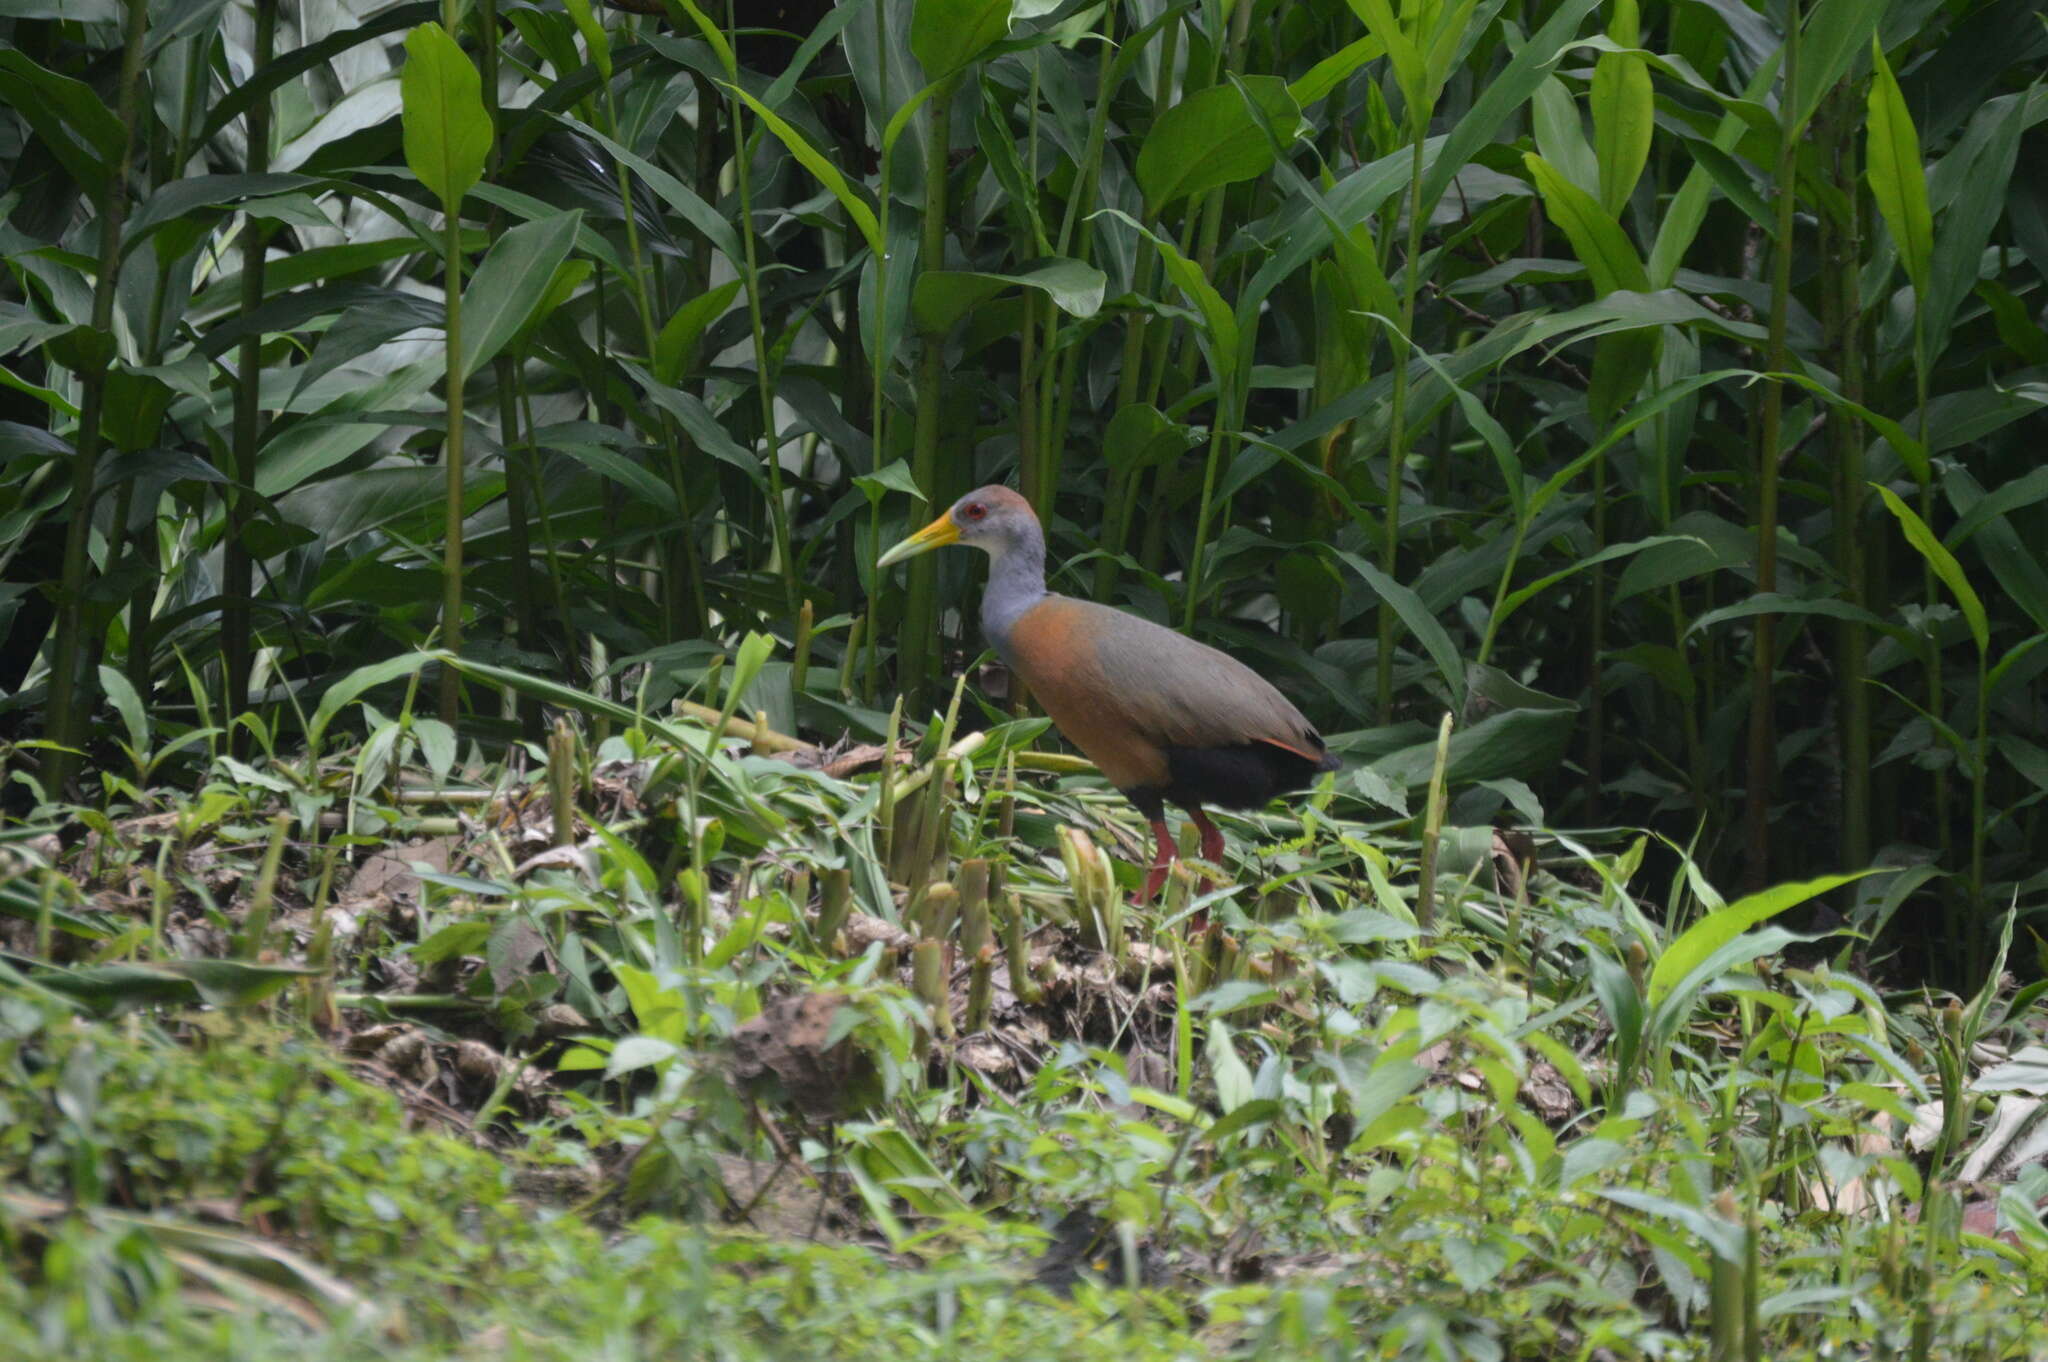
(1758, 779)
(70, 704)
(914, 653)
(1397, 417)
(764, 384)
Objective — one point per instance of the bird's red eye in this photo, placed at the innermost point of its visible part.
(974, 510)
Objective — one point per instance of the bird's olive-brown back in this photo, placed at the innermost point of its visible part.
(1123, 690)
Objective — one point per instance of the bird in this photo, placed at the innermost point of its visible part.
(1164, 718)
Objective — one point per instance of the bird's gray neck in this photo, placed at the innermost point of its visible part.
(1016, 582)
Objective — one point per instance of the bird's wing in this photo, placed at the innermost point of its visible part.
(1124, 689)
(1189, 694)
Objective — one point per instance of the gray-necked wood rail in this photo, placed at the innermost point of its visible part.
(1162, 716)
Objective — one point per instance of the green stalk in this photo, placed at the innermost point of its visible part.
(237, 571)
(687, 610)
(504, 371)
(1759, 778)
(878, 360)
(914, 654)
(1979, 776)
(451, 573)
(1028, 452)
(778, 510)
(1842, 319)
(1121, 492)
(1397, 429)
(1058, 397)
(71, 704)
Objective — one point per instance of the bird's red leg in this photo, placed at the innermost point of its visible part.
(1212, 840)
(1160, 863)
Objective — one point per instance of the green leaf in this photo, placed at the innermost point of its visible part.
(1140, 435)
(1898, 181)
(1986, 178)
(69, 117)
(1411, 70)
(1624, 112)
(121, 695)
(1420, 622)
(1333, 70)
(1777, 603)
(1944, 564)
(1836, 30)
(511, 283)
(675, 349)
(352, 686)
(447, 132)
(1596, 237)
(120, 987)
(820, 166)
(1212, 138)
(1561, 136)
(594, 37)
(945, 35)
(1703, 942)
(195, 193)
(942, 297)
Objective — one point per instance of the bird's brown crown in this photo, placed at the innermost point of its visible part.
(992, 503)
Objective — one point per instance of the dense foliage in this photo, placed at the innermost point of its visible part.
(1708, 365)
(419, 422)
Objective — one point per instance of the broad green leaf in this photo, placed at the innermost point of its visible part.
(1702, 941)
(351, 687)
(1835, 31)
(1212, 138)
(1561, 137)
(717, 229)
(447, 132)
(120, 987)
(196, 192)
(1624, 113)
(1970, 216)
(675, 349)
(1687, 210)
(1503, 95)
(121, 695)
(1428, 632)
(1944, 565)
(1777, 603)
(1524, 744)
(1596, 237)
(1515, 600)
(1140, 435)
(1898, 181)
(941, 297)
(135, 406)
(820, 167)
(1333, 70)
(69, 117)
(510, 284)
(1411, 71)
(945, 35)
(594, 36)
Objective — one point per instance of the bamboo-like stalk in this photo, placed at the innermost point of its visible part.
(914, 653)
(237, 578)
(1397, 411)
(451, 452)
(70, 697)
(764, 384)
(1759, 778)
(1842, 320)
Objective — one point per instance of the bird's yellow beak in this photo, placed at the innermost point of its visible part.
(938, 534)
